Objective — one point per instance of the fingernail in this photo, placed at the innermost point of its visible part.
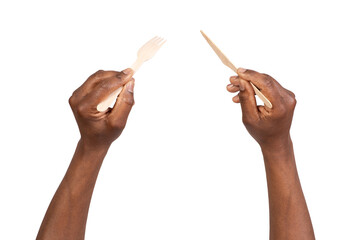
(230, 85)
(233, 78)
(241, 70)
(127, 71)
(124, 73)
(241, 85)
(129, 86)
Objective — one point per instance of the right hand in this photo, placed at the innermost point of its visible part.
(102, 128)
(268, 126)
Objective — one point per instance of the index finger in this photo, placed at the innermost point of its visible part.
(259, 79)
(103, 89)
(95, 78)
(266, 84)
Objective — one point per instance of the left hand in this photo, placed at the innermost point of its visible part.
(268, 126)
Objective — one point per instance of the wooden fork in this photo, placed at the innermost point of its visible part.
(146, 52)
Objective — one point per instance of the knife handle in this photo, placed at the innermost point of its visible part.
(261, 96)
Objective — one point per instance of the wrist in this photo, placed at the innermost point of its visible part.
(277, 148)
(90, 146)
(277, 143)
(86, 150)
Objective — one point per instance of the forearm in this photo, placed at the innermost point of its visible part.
(67, 214)
(289, 216)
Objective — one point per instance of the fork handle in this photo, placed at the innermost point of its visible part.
(103, 106)
(136, 65)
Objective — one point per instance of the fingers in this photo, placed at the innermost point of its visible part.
(263, 81)
(232, 88)
(248, 102)
(234, 80)
(235, 86)
(105, 87)
(122, 108)
(97, 77)
(100, 74)
(235, 99)
(266, 84)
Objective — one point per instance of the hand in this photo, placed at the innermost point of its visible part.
(268, 126)
(102, 128)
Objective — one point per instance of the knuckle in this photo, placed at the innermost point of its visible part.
(234, 80)
(119, 125)
(267, 80)
(109, 84)
(250, 72)
(291, 93)
(98, 74)
(104, 86)
(292, 102)
(72, 100)
(128, 100)
(81, 110)
(266, 75)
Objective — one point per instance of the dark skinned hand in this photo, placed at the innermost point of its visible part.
(268, 126)
(102, 128)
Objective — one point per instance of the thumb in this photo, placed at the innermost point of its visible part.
(248, 101)
(123, 105)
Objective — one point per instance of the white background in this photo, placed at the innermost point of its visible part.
(185, 167)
